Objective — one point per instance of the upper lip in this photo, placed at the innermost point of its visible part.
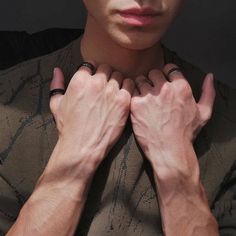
(140, 11)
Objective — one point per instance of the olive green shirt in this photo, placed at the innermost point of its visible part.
(122, 198)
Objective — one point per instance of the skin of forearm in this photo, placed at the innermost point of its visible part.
(187, 215)
(183, 202)
(58, 199)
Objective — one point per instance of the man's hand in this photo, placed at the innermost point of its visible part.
(166, 119)
(90, 117)
(166, 115)
(92, 114)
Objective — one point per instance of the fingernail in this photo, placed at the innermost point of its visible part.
(54, 72)
(211, 76)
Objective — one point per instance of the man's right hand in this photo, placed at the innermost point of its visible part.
(92, 114)
(90, 117)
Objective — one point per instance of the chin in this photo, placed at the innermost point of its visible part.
(134, 40)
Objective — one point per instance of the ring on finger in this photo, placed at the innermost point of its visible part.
(88, 65)
(54, 92)
(175, 69)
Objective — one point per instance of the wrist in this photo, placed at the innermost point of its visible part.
(176, 161)
(53, 187)
(72, 163)
(172, 146)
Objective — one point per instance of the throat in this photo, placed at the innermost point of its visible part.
(99, 47)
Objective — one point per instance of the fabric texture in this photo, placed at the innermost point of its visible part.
(18, 46)
(123, 199)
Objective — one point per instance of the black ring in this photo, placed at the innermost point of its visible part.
(89, 65)
(173, 70)
(56, 91)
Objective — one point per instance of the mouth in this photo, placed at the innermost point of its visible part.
(139, 16)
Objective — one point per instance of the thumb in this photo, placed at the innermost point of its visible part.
(58, 82)
(207, 98)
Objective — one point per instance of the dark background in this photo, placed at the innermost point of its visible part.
(204, 33)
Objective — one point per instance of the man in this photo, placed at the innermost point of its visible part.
(98, 177)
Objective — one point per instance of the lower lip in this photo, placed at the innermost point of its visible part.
(138, 20)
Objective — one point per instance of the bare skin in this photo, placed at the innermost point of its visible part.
(77, 153)
(170, 118)
(170, 122)
(174, 162)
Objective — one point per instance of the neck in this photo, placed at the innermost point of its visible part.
(98, 46)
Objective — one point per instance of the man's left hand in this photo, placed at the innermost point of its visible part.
(166, 118)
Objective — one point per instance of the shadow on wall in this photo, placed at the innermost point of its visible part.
(203, 34)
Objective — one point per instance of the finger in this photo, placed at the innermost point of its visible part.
(173, 72)
(104, 72)
(128, 85)
(134, 99)
(157, 77)
(58, 82)
(135, 93)
(142, 85)
(116, 80)
(207, 98)
(85, 69)
(57, 79)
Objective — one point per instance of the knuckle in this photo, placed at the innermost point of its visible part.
(140, 78)
(149, 97)
(137, 103)
(80, 75)
(129, 82)
(207, 115)
(76, 84)
(52, 106)
(97, 84)
(154, 72)
(166, 92)
(110, 90)
(76, 75)
(183, 87)
(169, 66)
(123, 98)
(165, 88)
(117, 74)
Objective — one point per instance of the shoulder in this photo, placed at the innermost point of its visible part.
(32, 65)
(18, 46)
(36, 72)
